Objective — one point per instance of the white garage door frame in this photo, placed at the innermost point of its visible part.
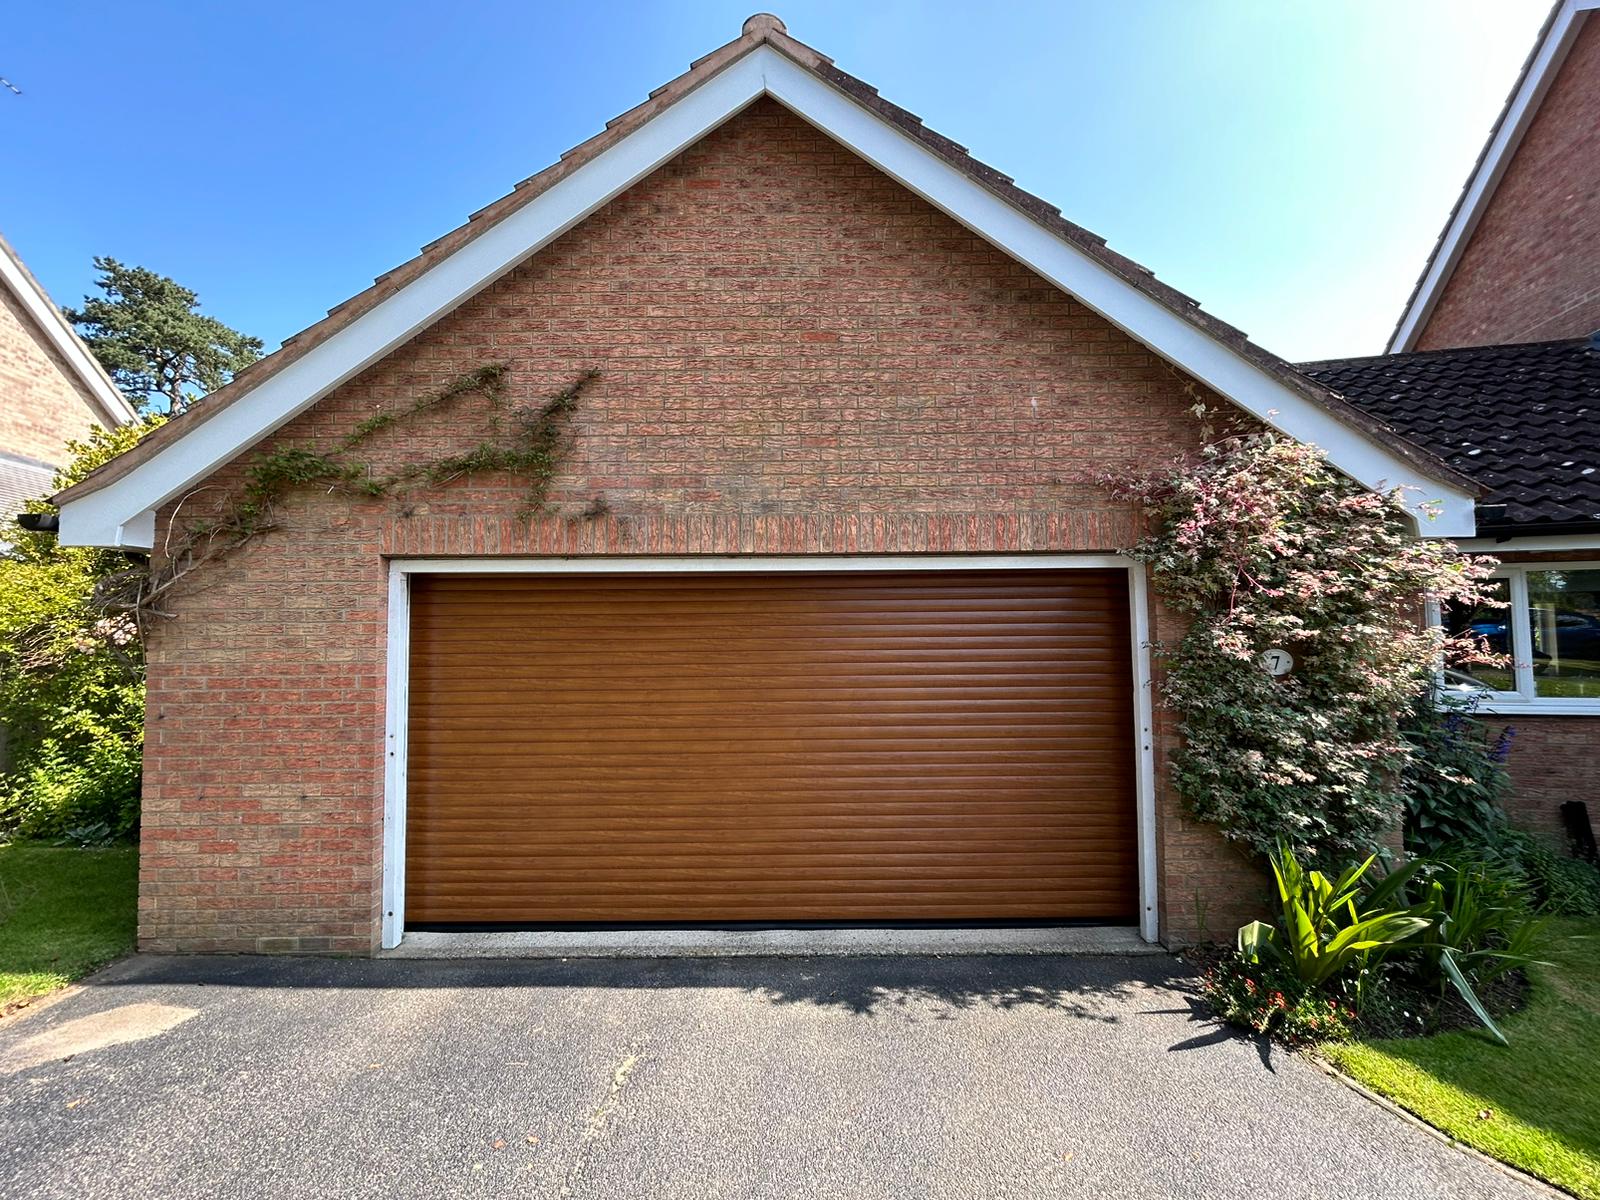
(399, 662)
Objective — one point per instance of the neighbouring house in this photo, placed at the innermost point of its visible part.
(52, 390)
(819, 616)
(1517, 260)
(1497, 371)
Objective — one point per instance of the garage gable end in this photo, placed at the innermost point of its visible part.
(116, 506)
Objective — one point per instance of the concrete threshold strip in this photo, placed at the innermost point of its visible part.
(788, 943)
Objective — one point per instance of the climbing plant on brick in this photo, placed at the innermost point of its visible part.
(524, 441)
(1259, 543)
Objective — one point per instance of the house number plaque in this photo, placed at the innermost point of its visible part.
(1277, 662)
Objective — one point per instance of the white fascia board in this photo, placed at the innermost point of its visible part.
(97, 518)
(113, 404)
(1520, 112)
(1143, 318)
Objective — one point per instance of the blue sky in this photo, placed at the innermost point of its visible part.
(1286, 162)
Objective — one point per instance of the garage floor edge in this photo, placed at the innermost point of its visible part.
(733, 943)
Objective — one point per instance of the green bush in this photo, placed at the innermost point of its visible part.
(1454, 782)
(1431, 927)
(1557, 883)
(1455, 777)
(1326, 924)
(64, 789)
(1483, 930)
(71, 678)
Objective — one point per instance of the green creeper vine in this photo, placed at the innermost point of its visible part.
(524, 441)
(1261, 544)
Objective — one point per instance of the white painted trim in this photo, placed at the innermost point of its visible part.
(398, 658)
(139, 533)
(1144, 734)
(91, 519)
(397, 696)
(1532, 545)
(1525, 699)
(1521, 109)
(113, 404)
(1521, 639)
(1547, 707)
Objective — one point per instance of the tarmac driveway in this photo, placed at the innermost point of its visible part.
(700, 1078)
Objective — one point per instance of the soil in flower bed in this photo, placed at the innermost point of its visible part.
(1400, 1007)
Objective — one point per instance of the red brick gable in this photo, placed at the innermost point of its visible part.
(779, 327)
(115, 505)
(43, 403)
(1531, 270)
(798, 356)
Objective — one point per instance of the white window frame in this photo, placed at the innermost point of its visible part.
(398, 682)
(1525, 698)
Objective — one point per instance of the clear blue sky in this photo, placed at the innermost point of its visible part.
(1288, 163)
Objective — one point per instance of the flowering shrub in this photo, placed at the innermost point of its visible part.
(1258, 544)
(1269, 1000)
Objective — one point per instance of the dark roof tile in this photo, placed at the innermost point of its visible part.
(1520, 420)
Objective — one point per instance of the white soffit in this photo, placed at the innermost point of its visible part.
(119, 513)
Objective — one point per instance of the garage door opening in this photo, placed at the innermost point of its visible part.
(735, 750)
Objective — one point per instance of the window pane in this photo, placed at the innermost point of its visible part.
(1491, 627)
(1564, 607)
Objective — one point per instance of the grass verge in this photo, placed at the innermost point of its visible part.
(63, 912)
(1534, 1104)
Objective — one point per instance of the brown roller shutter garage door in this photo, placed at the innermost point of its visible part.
(724, 748)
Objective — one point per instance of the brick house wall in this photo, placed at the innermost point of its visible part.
(1531, 270)
(1552, 761)
(1552, 758)
(798, 356)
(43, 403)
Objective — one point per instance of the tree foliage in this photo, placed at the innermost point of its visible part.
(71, 678)
(148, 333)
(1261, 544)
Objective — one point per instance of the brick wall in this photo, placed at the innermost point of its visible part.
(1553, 759)
(798, 356)
(42, 403)
(1531, 270)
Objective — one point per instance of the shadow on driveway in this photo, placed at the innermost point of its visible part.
(959, 1077)
(1090, 988)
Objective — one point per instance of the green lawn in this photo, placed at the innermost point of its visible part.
(63, 912)
(1541, 1094)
